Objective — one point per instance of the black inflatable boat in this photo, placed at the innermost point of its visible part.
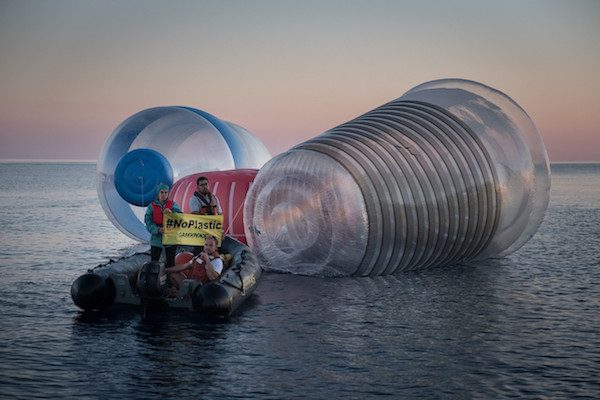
(136, 281)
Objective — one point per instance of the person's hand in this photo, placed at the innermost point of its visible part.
(191, 262)
(204, 256)
(167, 211)
(161, 230)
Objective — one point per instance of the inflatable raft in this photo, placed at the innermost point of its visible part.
(136, 281)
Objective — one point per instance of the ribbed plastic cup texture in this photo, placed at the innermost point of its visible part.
(450, 172)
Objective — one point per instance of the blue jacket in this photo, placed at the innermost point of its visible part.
(156, 238)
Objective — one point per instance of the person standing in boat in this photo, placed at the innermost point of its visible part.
(205, 267)
(154, 224)
(203, 202)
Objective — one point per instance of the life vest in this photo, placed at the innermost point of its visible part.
(208, 208)
(198, 271)
(157, 211)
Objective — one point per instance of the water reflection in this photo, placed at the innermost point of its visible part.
(148, 356)
(523, 326)
(429, 322)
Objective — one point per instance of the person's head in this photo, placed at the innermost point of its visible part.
(210, 244)
(163, 192)
(202, 185)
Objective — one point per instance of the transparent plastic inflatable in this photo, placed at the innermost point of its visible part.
(163, 145)
(451, 171)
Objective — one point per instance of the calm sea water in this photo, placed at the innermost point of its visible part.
(524, 326)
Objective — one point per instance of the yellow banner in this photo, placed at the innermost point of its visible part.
(191, 229)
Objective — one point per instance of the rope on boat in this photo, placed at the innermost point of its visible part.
(234, 218)
(238, 270)
(111, 261)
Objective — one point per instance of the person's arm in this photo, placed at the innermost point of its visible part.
(150, 225)
(194, 205)
(168, 211)
(176, 208)
(180, 267)
(213, 267)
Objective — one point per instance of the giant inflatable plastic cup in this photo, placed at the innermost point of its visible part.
(451, 171)
(162, 145)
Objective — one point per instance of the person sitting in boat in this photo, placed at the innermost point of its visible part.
(154, 224)
(203, 202)
(205, 267)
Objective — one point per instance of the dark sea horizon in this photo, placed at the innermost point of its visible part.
(523, 326)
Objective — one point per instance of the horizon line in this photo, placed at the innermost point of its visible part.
(45, 160)
(88, 161)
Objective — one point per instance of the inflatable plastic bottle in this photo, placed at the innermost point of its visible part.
(229, 186)
(451, 171)
(164, 145)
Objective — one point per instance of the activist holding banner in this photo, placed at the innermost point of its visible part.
(153, 218)
(203, 202)
(191, 230)
(205, 267)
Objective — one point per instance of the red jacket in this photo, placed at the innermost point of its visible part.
(157, 211)
(207, 209)
(198, 271)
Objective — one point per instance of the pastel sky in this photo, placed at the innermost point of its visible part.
(72, 70)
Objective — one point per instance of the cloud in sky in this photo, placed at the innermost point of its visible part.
(71, 71)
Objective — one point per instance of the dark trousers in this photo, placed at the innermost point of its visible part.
(169, 254)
